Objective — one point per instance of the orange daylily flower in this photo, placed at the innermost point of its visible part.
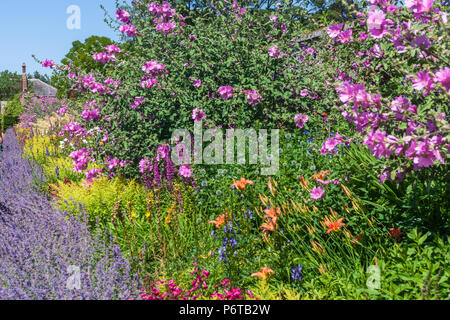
(264, 273)
(321, 175)
(271, 218)
(241, 184)
(220, 221)
(272, 213)
(334, 225)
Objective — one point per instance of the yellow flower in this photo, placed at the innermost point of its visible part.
(147, 214)
(133, 215)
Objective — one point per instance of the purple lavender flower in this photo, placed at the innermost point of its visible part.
(42, 249)
(297, 273)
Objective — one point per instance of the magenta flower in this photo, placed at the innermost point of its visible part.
(111, 164)
(80, 159)
(391, 8)
(317, 193)
(423, 81)
(376, 23)
(92, 174)
(424, 156)
(162, 152)
(300, 120)
(112, 48)
(48, 64)
(147, 82)
(304, 92)
(273, 52)
(443, 77)
(226, 92)
(421, 41)
(145, 165)
(334, 30)
(185, 171)
(91, 115)
(123, 16)
(253, 97)
(329, 146)
(165, 27)
(375, 140)
(153, 67)
(345, 36)
(103, 57)
(197, 83)
(129, 29)
(62, 111)
(198, 114)
(363, 36)
(138, 101)
(419, 6)
(401, 104)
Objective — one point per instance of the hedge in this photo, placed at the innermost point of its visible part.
(8, 121)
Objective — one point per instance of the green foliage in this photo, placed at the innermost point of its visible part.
(14, 107)
(418, 270)
(419, 201)
(43, 77)
(11, 113)
(8, 121)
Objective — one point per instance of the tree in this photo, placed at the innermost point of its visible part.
(80, 55)
(10, 85)
(43, 77)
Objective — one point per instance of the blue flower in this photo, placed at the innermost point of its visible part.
(297, 273)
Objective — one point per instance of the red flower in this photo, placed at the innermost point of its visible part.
(395, 233)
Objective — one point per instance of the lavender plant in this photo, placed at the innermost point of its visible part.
(41, 248)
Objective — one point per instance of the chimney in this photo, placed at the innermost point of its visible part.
(24, 78)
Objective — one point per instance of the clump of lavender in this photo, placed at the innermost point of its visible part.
(41, 248)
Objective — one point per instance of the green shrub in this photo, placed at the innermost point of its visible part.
(8, 121)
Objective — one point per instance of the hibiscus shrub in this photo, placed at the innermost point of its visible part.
(239, 65)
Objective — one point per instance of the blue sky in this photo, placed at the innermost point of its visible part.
(39, 27)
